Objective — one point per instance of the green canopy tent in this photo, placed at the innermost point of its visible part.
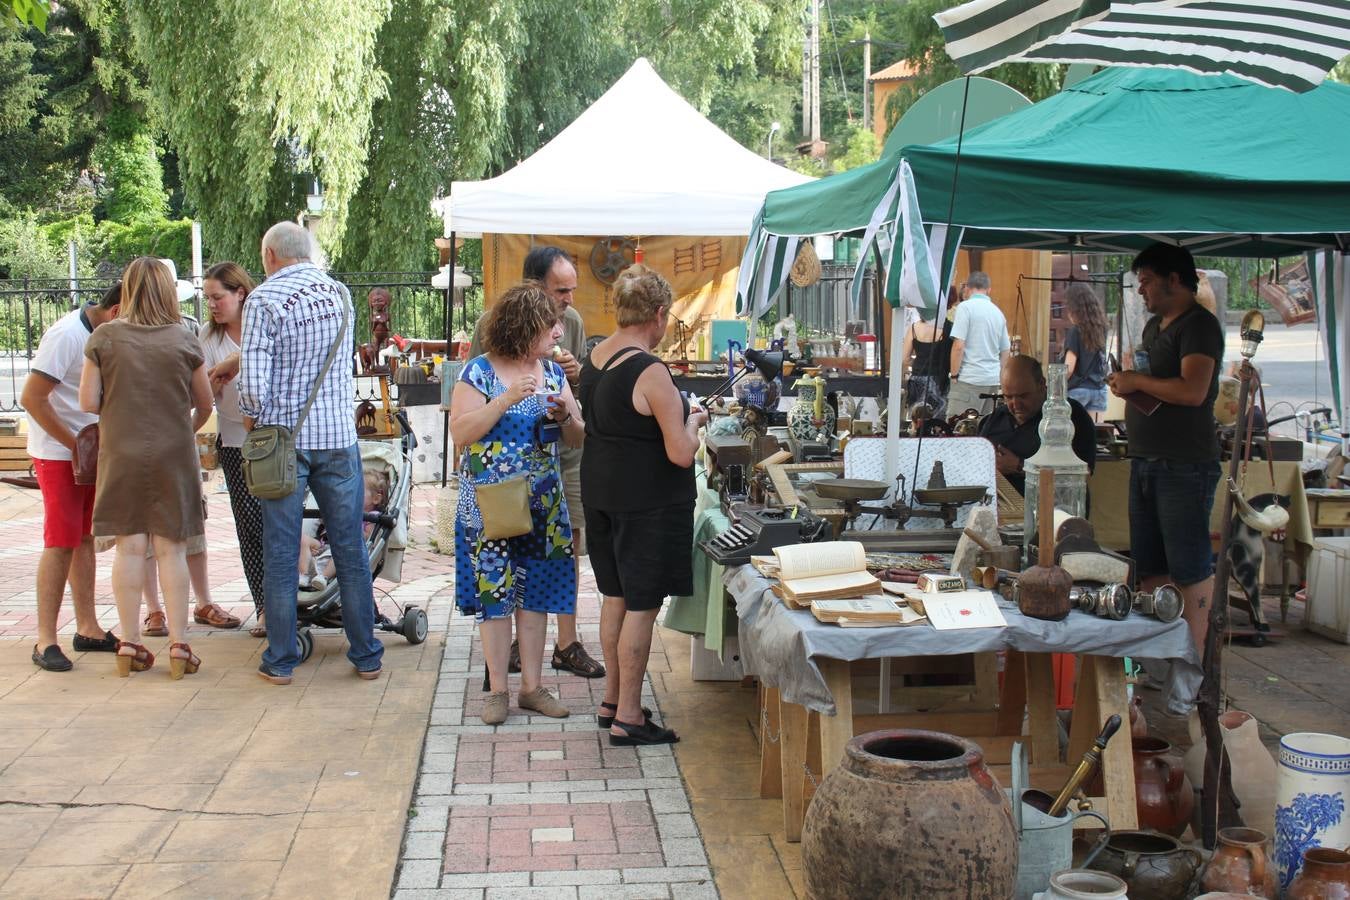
(1130, 156)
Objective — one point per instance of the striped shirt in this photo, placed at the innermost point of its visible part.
(290, 321)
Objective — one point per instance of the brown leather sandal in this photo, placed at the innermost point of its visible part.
(155, 625)
(141, 661)
(576, 660)
(214, 615)
(183, 665)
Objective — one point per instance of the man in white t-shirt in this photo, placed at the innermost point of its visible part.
(980, 347)
(51, 399)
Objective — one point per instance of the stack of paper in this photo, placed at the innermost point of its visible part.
(864, 612)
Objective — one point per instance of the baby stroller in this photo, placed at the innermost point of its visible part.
(384, 545)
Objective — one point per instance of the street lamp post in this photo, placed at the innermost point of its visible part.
(773, 129)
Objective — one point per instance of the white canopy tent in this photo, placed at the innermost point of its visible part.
(640, 162)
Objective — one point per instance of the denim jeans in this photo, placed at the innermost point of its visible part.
(336, 480)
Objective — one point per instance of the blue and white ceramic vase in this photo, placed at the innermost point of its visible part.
(1314, 781)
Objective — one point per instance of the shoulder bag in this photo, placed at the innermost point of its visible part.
(268, 452)
(85, 458)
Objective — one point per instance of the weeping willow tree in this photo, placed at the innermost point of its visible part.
(477, 86)
(253, 95)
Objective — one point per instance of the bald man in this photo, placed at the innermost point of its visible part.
(1014, 427)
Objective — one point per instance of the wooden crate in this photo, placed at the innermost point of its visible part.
(14, 453)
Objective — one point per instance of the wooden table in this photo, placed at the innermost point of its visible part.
(810, 705)
(797, 745)
(1329, 510)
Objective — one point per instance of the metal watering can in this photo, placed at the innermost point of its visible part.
(1045, 843)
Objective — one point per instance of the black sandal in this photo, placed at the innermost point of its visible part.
(642, 735)
(606, 721)
(576, 660)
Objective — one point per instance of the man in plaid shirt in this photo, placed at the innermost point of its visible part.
(290, 322)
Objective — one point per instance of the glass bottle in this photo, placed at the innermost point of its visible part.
(1056, 452)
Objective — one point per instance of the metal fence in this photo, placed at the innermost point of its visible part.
(28, 307)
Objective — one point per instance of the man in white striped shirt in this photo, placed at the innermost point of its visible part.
(290, 322)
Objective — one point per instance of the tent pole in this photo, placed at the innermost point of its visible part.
(879, 307)
(1219, 809)
(449, 333)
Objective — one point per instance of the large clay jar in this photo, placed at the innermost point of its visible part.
(1083, 884)
(910, 814)
(1325, 876)
(1241, 865)
(1155, 866)
(1163, 794)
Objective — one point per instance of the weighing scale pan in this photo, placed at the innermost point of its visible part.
(851, 489)
(962, 494)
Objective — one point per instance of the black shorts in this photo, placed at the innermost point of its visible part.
(642, 556)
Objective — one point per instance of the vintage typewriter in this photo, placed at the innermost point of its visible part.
(760, 530)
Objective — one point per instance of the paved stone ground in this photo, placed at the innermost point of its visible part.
(542, 807)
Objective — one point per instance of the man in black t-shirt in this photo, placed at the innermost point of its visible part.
(1174, 466)
(1014, 427)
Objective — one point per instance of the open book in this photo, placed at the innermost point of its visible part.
(828, 570)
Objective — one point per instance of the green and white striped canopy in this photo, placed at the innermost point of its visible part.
(1290, 44)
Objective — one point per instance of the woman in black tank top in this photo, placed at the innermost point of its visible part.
(637, 485)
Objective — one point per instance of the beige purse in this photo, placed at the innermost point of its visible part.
(505, 507)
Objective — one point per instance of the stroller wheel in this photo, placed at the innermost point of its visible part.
(414, 624)
(305, 638)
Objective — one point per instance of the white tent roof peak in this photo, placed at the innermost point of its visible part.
(639, 161)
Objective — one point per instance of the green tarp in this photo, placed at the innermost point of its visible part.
(1130, 156)
(1117, 161)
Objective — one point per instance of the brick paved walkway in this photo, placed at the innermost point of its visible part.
(542, 807)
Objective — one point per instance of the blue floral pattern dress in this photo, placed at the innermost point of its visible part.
(535, 571)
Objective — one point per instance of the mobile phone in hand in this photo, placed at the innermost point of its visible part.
(1115, 363)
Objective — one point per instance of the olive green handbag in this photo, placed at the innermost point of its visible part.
(505, 507)
(268, 452)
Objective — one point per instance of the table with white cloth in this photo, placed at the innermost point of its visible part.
(807, 688)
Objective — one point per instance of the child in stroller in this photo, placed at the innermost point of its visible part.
(390, 464)
(316, 558)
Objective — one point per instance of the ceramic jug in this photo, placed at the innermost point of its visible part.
(1241, 865)
(811, 418)
(1252, 766)
(1154, 866)
(1311, 790)
(1325, 876)
(1163, 794)
(1083, 884)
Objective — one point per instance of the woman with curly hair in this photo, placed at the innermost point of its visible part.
(508, 411)
(1085, 348)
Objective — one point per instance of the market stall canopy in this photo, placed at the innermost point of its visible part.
(1131, 156)
(1288, 45)
(639, 161)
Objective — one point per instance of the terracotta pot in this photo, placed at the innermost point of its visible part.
(1138, 724)
(1155, 866)
(910, 814)
(1163, 794)
(1241, 864)
(1325, 876)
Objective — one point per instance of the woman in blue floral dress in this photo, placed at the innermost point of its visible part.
(506, 414)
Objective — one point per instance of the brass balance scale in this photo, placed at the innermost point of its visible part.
(937, 501)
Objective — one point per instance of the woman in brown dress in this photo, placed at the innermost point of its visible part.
(142, 370)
